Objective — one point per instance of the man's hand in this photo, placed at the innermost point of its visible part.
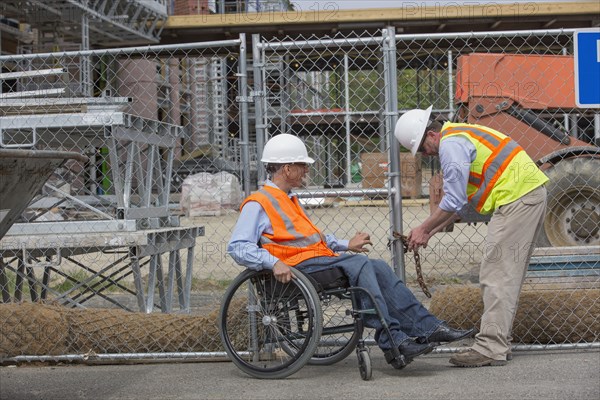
(359, 241)
(418, 237)
(282, 272)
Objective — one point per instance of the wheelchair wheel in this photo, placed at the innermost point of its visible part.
(340, 335)
(261, 317)
(364, 364)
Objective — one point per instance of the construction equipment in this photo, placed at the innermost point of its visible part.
(520, 95)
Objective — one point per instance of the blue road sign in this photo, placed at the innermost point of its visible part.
(587, 67)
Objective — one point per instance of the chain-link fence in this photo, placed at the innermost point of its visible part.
(172, 136)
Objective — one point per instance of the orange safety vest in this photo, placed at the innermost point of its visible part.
(295, 238)
(501, 173)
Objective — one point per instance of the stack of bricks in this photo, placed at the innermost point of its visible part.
(190, 7)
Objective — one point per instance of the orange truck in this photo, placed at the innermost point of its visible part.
(523, 96)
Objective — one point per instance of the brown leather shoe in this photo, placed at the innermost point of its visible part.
(472, 358)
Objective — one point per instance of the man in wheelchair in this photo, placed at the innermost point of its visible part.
(274, 233)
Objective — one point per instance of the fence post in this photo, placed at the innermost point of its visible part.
(391, 116)
(259, 98)
(245, 139)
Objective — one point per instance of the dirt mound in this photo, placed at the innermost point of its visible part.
(40, 329)
(30, 328)
(117, 331)
(543, 317)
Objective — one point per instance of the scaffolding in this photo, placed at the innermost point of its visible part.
(47, 106)
(84, 24)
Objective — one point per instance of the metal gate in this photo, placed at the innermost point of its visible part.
(148, 239)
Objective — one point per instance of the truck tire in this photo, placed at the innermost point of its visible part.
(573, 210)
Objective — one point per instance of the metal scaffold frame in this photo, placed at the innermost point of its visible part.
(118, 22)
(29, 255)
(135, 230)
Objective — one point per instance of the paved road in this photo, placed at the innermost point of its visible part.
(531, 375)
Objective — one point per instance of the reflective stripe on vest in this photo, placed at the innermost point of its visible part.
(300, 242)
(503, 150)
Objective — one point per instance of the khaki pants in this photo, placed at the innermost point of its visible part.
(510, 241)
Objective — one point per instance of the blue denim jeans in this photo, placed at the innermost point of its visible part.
(405, 315)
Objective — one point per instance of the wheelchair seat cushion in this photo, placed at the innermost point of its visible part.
(330, 278)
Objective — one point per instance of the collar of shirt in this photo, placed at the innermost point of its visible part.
(270, 183)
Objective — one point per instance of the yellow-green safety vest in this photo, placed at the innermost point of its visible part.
(501, 173)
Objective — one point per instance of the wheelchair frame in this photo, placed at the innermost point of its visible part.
(270, 330)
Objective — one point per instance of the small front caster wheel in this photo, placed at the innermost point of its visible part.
(364, 364)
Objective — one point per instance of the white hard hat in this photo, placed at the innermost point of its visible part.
(411, 127)
(285, 149)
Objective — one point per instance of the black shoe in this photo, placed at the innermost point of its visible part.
(398, 362)
(444, 333)
(411, 349)
(408, 350)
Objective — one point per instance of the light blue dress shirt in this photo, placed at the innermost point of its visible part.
(252, 222)
(456, 156)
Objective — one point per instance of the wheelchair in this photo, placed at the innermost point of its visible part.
(270, 330)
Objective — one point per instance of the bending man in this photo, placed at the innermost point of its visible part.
(489, 172)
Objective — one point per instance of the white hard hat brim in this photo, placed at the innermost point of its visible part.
(306, 160)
